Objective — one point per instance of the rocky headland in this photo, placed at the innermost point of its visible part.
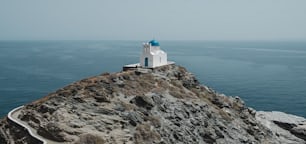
(164, 105)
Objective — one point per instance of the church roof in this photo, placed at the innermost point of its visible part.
(154, 43)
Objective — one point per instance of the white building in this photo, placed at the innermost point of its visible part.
(152, 56)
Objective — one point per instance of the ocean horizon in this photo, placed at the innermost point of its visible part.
(267, 75)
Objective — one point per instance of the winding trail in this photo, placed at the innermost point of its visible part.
(13, 116)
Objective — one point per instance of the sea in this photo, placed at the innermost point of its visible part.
(267, 75)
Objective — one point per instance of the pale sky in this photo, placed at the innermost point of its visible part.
(146, 19)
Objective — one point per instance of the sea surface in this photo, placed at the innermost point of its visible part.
(266, 75)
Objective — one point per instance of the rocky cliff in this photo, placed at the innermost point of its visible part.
(164, 105)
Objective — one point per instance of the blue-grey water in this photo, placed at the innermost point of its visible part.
(267, 75)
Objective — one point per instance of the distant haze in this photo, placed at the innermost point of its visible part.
(147, 19)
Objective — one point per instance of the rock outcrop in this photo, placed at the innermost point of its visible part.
(164, 105)
(289, 128)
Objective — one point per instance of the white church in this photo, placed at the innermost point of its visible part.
(151, 56)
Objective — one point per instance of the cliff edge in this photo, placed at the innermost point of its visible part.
(164, 105)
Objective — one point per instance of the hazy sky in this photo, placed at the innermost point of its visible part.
(145, 19)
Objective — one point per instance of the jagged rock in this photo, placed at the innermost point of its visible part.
(52, 131)
(161, 105)
(143, 101)
(299, 131)
(134, 118)
(102, 98)
(289, 127)
(45, 108)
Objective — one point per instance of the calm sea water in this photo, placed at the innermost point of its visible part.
(267, 75)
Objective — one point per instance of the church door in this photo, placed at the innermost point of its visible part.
(146, 62)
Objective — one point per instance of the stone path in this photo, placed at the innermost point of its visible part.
(13, 116)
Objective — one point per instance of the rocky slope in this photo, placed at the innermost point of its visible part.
(164, 105)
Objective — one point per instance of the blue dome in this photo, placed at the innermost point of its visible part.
(154, 43)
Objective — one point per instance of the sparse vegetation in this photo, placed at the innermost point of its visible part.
(144, 134)
(90, 139)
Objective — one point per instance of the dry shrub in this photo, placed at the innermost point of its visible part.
(237, 106)
(182, 69)
(159, 90)
(90, 139)
(105, 74)
(162, 83)
(139, 86)
(225, 115)
(182, 91)
(148, 77)
(145, 84)
(177, 84)
(154, 120)
(203, 94)
(127, 106)
(144, 134)
(176, 94)
(41, 101)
